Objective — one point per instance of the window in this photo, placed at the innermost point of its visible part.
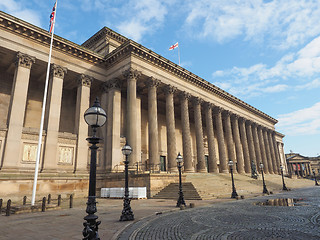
(163, 166)
(206, 160)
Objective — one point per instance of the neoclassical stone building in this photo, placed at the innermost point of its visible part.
(159, 107)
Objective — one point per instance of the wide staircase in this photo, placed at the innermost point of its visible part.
(172, 192)
(206, 186)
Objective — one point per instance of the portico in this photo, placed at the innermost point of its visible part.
(157, 106)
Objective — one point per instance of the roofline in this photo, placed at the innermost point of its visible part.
(131, 47)
(103, 32)
(31, 32)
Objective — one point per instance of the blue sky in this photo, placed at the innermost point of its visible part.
(266, 53)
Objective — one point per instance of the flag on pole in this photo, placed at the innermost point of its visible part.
(174, 46)
(52, 16)
(36, 170)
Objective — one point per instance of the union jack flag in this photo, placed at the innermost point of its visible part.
(52, 16)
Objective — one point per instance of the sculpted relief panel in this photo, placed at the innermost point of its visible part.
(29, 152)
(66, 155)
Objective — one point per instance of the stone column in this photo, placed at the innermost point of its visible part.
(263, 151)
(256, 146)
(186, 135)
(268, 153)
(53, 117)
(221, 144)
(245, 147)
(16, 111)
(273, 156)
(171, 128)
(154, 157)
(201, 165)
(81, 127)
(212, 158)
(112, 140)
(237, 142)
(276, 151)
(228, 135)
(251, 145)
(132, 76)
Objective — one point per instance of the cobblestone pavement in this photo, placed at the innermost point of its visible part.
(241, 219)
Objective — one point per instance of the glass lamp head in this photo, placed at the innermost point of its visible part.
(179, 158)
(95, 116)
(126, 150)
(261, 165)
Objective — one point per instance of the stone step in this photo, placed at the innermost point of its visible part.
(172, 192)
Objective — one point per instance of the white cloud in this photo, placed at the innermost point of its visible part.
(140, 17)
(276, 88)
(132, 29)
(310, 85)
(284, 23)
(298, 71)
(301, 122)
(17, 9)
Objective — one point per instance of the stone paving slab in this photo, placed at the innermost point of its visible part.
(66, 224)
(241, 219)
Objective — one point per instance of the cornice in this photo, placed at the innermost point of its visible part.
(129, 47)
(102, 33)
(41, 36)
(132, 48)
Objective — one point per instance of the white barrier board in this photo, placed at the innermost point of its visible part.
(134, 192)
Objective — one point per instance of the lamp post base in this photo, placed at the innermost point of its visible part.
(285, 188)
(127, 214)
(90, 231)
(234, 194)
(265, 190)
(181, 201)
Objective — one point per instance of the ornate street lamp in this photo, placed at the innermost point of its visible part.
(234, 192)
(265, 190)
(95, 117)
(180, 201)
(127, 214)
(283, 184)
(315, 178)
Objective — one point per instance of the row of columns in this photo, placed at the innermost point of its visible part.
(238, 139)
(245, 141)
(15, 121)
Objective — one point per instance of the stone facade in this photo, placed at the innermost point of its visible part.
(302, 166)
(157, 106)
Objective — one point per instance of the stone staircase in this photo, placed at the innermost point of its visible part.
(172, 192)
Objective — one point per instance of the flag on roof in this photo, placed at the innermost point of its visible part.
(52, 16)
(174, 46)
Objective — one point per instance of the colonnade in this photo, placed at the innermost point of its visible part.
(16, 112)
(239, 139)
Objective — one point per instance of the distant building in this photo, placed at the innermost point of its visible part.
(302, 166)
(156, 105)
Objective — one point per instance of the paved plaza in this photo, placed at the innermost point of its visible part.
(242, 219)
(160, 219)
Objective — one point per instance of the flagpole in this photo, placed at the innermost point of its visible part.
(179, 54)
(42, 114)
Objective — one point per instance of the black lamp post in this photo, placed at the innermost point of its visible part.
(234, 192)
(315, 178)
(283, 184)
(127, 214)
(265, 190)
(95, 117)
(181, 198)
